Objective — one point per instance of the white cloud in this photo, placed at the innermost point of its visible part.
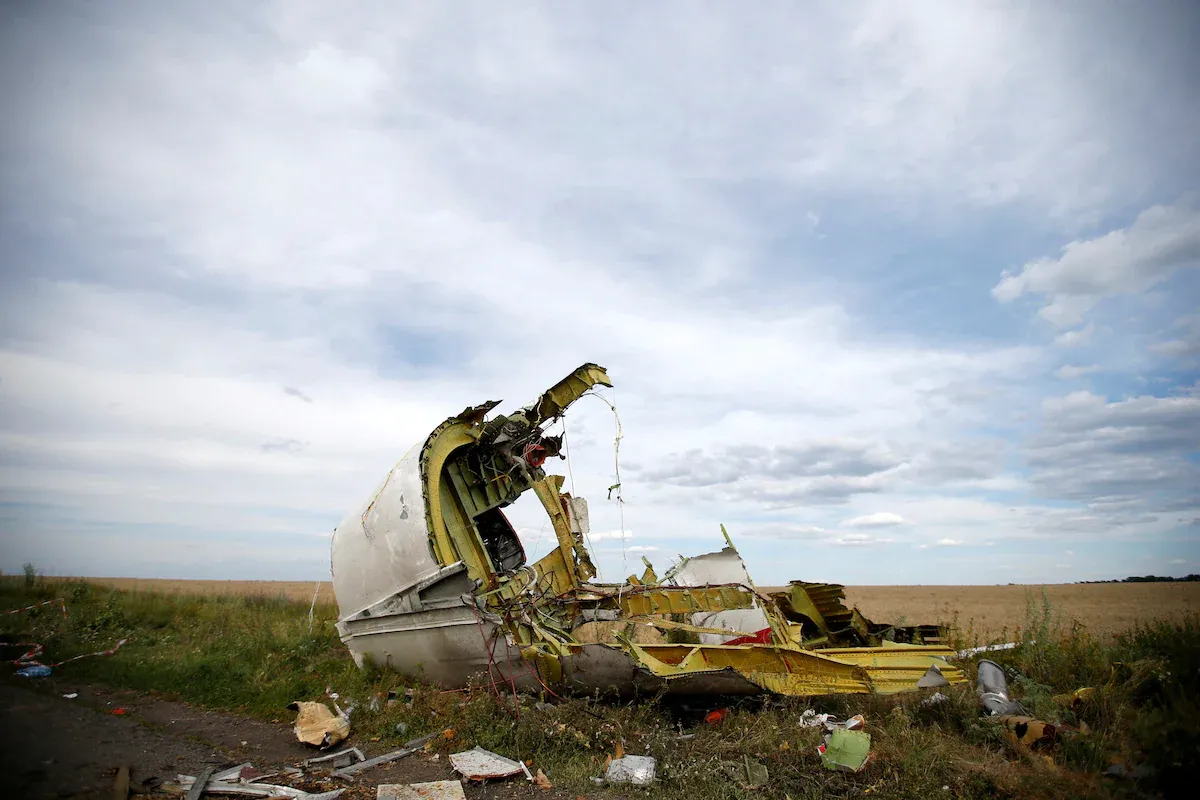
(1162, 240)
(1076, 337)
(880, 519)
(604, 536)
(947, 543)
(310, 240)
(1069, 372)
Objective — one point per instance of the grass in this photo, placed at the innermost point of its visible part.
(254, 655)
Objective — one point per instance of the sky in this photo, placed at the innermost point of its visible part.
(900, 293)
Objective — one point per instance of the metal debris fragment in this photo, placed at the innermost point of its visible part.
(342, 758)
(992, 688)
(200, 781)
(195, 788)
(478, 764)
(407, 750)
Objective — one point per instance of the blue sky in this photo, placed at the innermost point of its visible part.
(900, 293)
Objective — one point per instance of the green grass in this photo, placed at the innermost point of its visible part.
(255, 655)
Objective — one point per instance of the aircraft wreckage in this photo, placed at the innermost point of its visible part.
(432, 581)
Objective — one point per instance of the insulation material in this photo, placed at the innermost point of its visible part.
(317, 725)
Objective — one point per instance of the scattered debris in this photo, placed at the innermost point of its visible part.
(638, 770)
(479, 764)
(437, 790)
(229, 785)
(342, 758)
(855, 723)
(715, 716)
(37, 671)
(1074, 699)
(118, 712)
(121, 784)
(71, 696)
(933, 678)
(937, 698)
(233, 773)
(846, 750)
(317, 725)
(992, 687)
(407, 750)
(1029, 732)
(987, 648)
(542, 782)
(200, 782)
(811, 719)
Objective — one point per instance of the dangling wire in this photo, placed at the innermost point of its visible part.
(616, 487)
(571, 476)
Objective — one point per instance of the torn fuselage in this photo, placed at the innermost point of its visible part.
(432, 580)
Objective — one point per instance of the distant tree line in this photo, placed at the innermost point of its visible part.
(1150, 579)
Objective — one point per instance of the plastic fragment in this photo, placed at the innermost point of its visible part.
(811, 719)
(714, 717)
(846, 750)
(756, 773)
(37, 671)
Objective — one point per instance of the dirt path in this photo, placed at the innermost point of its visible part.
(53, 747)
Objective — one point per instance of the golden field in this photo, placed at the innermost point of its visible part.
(1100, 608)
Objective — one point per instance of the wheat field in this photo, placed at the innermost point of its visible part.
(988, 611)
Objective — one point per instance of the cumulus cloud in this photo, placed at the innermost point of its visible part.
(230, 306)
(1162, 240)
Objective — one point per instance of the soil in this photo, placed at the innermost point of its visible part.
(54, 747)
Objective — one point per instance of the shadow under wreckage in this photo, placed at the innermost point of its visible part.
(432, 581)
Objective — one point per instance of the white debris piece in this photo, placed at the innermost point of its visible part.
(479, 764)
(638, 770)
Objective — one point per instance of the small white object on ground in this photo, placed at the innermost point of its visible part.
(638, 770)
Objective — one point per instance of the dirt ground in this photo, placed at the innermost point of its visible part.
(1101, 608)
(53, 747)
